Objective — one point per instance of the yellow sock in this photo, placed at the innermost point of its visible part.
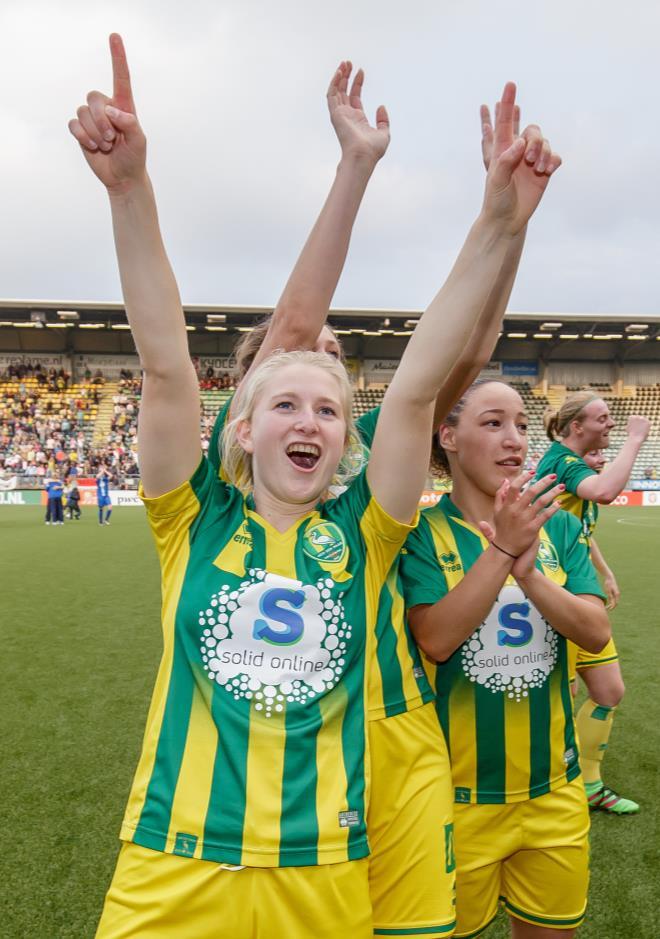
(594, 725)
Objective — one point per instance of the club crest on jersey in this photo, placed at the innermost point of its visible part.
(514, 649)
(275, 641)
(325, 541)
(547, 555)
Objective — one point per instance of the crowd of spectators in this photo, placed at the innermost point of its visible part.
(122, 438)
(120, 452)
(209, 381)
(47, 423)
(45, 420)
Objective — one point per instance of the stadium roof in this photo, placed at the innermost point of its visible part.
(544, 334)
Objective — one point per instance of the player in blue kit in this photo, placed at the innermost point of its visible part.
(103, 499)
(54, 492)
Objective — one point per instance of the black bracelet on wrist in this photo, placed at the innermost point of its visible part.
(508, 553)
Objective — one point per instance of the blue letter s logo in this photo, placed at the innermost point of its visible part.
(511, 617)
(293, 624)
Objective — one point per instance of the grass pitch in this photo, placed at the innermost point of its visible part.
(81, 644)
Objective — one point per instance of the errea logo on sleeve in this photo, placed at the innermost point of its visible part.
(450, 562)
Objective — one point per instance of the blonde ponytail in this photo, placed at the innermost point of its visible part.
(558, 423)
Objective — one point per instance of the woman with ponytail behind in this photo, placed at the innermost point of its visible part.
(583, 423)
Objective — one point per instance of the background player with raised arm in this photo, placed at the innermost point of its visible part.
(236, 770)
(596, 460)
(496, 582)
(411, 797)
(583, 423)
(103, 500)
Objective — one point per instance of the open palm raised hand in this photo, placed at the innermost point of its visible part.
(108, 131)
(356, 135)
(519, 166)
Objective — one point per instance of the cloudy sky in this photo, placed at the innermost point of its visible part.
(231, 96)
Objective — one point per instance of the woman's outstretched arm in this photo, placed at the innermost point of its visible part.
(481, 345)
(114, 146)
(514, 187)
(303, 307)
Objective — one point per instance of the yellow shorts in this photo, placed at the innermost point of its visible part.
(163, 896)
(579, 659)
(532, 856)
(410, 816)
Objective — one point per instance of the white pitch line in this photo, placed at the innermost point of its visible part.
(640, 521)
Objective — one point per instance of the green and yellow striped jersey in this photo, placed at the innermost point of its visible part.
(254, 751)
(571, 470)
(503, 697)
(397, 680)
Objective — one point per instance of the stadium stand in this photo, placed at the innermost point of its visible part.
(46, 421)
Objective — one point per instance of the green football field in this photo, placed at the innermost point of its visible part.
(80, 648)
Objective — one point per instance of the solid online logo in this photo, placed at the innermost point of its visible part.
(288, 626)
(514, 650)
(275, 641)
(517, 630)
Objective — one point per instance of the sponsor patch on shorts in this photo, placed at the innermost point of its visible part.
(349, 818)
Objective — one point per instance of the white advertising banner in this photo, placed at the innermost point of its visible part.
(219, 363)
(125, 498)
(380, 370)
(651, 499)
(110, 365)
(45, 360)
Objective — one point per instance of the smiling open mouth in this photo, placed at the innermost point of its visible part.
(303, 455)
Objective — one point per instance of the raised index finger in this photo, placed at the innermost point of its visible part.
(504, 117)
(122, 94)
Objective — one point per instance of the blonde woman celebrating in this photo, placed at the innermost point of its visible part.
(411, 798)
(247, 812)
